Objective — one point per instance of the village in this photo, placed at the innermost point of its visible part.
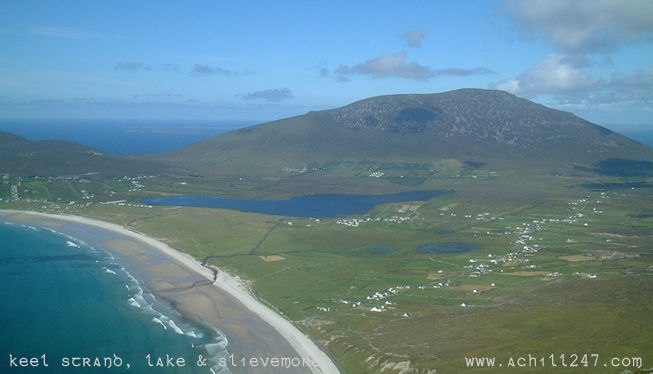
(522, 255)
(81, 191)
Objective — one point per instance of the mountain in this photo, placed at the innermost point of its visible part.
(473, 126)
(20, 156)
(412, 136)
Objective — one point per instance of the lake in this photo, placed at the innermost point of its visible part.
(315, 206)
(379, 249)
(452, 247)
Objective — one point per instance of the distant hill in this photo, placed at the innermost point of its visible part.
(417, 136)
(23, 157)
(469, 125)
(8, 138)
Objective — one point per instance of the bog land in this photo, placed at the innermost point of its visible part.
(522, 289)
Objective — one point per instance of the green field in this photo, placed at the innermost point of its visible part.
(561, 269)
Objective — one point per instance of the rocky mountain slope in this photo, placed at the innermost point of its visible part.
(465, 124)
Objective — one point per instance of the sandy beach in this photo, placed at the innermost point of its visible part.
(253, 329)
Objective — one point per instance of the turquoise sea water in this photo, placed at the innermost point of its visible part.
(65, 299)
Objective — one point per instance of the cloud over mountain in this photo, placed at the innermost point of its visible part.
(394, 65)
(553, 75)
(583, 33)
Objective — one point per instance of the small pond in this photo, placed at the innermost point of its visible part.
(452, 247)
(380, 249)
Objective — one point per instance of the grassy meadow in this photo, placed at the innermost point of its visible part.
(560, 268)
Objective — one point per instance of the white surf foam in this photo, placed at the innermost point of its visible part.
(156, 320)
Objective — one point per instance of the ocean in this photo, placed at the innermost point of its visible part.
(65, 299)
(642, 136)
(122, 136)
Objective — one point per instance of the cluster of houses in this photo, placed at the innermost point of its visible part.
(135, 183)
(355, 222)
(485, 216)
(477, 269)
(380, 296)
(86, 195)
(377, 296)
(13, 188)
(526, 229)
(125, 203)
(382, 308)
(447, 283)
(13, 191)
(587, 275)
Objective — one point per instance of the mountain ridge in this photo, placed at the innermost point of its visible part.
(427, 133)
(416, 113)
(61, 157)
(465, 124)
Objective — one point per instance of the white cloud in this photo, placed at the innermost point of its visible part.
(582, 26)
(414, 38)
(278, 94)
(200, 69)
(558, 83)
(509, 85)
(554, 75)
(394, 65)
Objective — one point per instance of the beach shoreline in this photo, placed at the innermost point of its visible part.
(304, 347)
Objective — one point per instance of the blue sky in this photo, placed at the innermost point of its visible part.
(264, 60)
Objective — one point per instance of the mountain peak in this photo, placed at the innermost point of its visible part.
(465, 124)
(479, 115)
